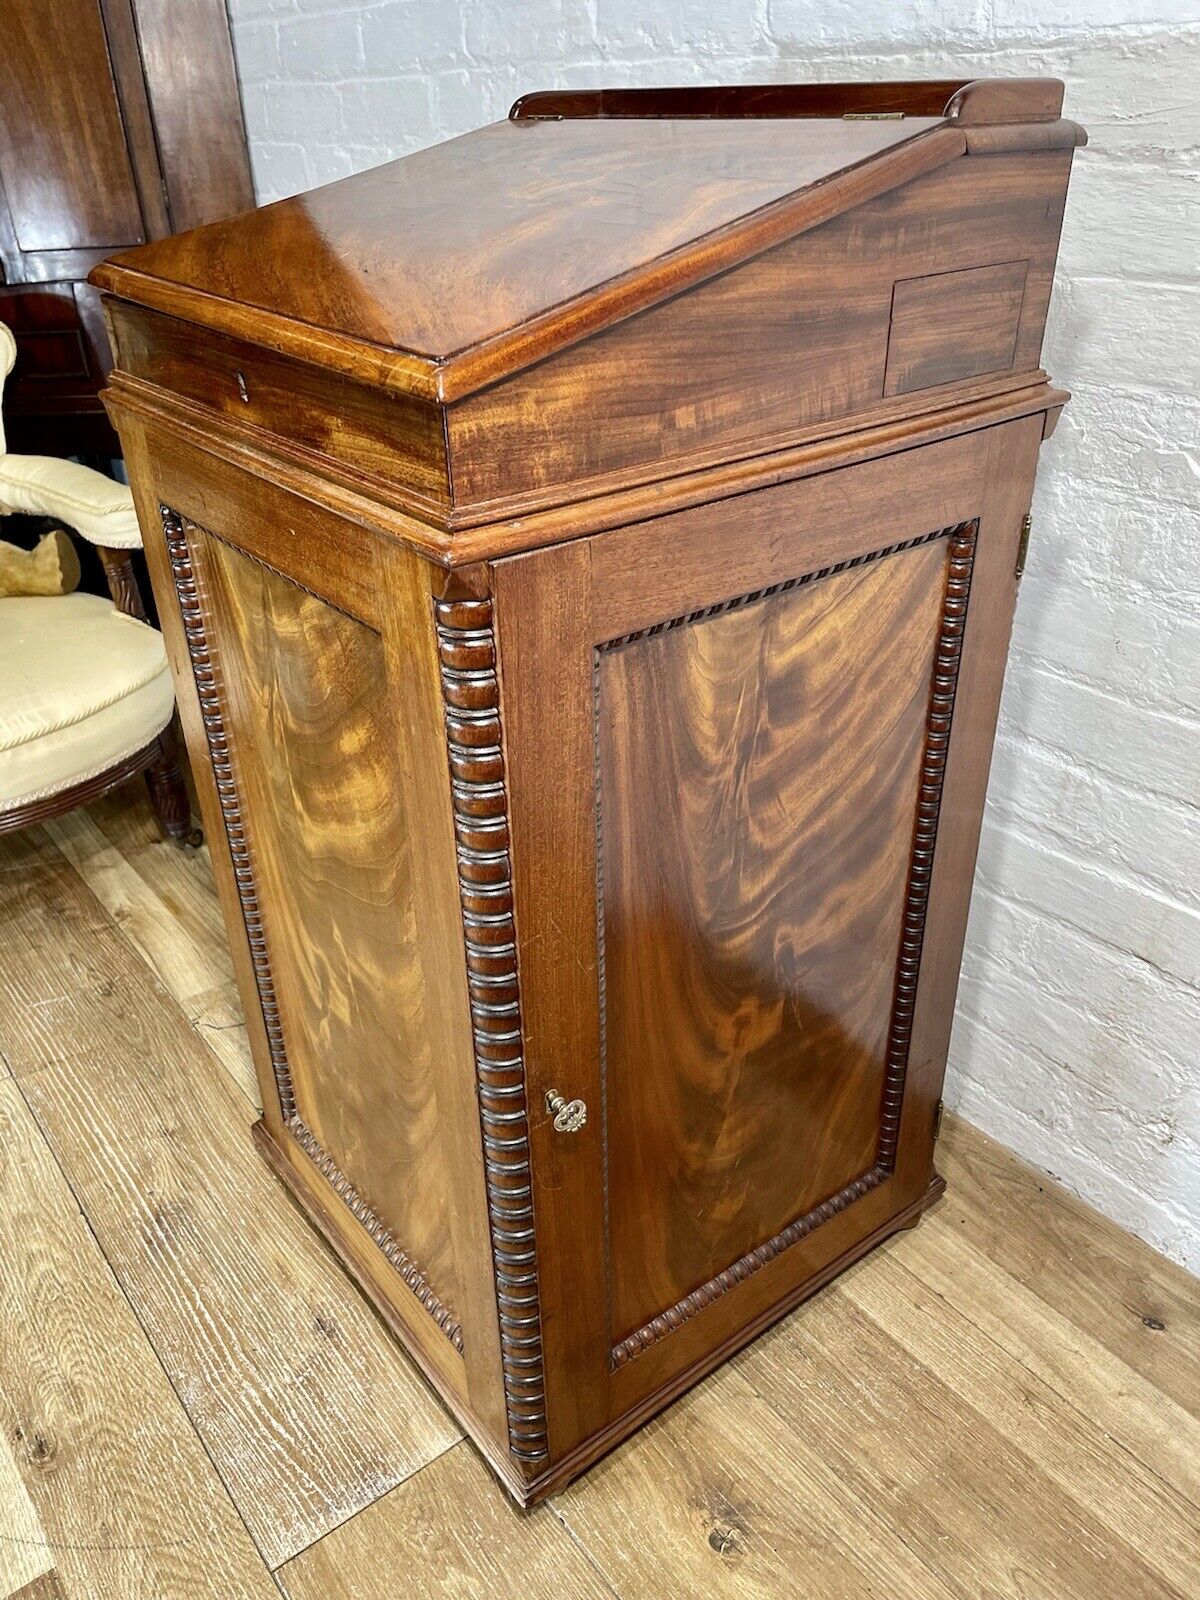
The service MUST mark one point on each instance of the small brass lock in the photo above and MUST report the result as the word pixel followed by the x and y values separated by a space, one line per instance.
pixel 569 1115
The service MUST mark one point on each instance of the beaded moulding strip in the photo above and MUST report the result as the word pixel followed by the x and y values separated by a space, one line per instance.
pixel 470 691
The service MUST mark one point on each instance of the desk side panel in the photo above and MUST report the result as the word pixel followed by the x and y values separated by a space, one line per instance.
pixel 314 726
pixel 793 343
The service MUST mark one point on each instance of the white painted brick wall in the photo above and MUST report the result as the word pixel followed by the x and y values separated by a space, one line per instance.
pixel 1078 1032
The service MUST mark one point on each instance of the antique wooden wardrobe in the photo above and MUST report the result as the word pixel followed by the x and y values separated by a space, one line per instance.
pixel 119 121
pixel 588 550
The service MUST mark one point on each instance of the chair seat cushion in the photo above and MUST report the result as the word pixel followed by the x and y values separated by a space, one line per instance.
pixel 82 687
pixel 83 499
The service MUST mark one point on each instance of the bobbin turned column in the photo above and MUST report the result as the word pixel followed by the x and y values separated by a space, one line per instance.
pixel 467 651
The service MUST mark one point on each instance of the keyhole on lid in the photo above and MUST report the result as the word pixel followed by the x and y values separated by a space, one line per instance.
pixel 242 389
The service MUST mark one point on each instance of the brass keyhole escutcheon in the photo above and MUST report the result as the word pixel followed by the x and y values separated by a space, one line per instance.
pixel 569 1115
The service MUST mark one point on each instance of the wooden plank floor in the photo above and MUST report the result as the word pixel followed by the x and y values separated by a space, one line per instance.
pixel 194 1401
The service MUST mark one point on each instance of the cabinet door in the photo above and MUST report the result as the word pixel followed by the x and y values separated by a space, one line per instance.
pixel 747 747
pixel 64 160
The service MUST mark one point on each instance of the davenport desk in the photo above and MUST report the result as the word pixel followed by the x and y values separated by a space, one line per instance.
pixel 587 551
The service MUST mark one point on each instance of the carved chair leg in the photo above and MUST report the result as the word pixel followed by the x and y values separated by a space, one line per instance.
pixel 169 797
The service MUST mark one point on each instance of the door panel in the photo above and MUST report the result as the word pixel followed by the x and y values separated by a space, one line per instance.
pixel 759 772
pixel 728 739
pixel 63 155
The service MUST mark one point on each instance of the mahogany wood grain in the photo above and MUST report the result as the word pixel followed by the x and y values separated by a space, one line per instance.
pixel 756 813
pixel 954 324
pixel 749 374
pixel 89 308
pixel 1007 472
pixel 61 131
pixel 201 135
pixel 308 722
pixel 291 535
pixel 358 1228
pixel 775 100
pixel 119 120
pixel 375 436
pixel 589 619
pixel 461 313
pixel 52 346
pixel 129 79
pixel 1063 1349
pixel 501 528
pixel 795 338
pixel 1005 100
pixel 418 973
pixel 137 448
pixel 636 1412
pixel 415 671
pixel 62 360
pixel 549 726
pixel 999 138
pixel 1000 100
pixel 815 453
pixel 706 555
pixel 696 559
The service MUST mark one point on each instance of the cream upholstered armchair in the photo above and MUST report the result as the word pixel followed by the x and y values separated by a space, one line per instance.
pixel 85 693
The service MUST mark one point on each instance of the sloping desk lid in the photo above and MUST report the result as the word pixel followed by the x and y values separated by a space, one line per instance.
pixel 455 266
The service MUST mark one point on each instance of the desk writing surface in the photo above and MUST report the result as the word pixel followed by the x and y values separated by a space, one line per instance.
pixel 457 244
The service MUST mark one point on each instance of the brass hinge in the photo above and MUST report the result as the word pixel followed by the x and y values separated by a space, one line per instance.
pixel 1023 547
pixel 937 1120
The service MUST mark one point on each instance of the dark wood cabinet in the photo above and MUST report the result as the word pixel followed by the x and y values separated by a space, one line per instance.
pixel 120 122
pixel 587 553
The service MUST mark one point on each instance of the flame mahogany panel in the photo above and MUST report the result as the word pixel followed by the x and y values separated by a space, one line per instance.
pixel 759 777
pixel 302 692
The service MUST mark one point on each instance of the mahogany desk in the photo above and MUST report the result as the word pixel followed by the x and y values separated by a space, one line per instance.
pixel 587 551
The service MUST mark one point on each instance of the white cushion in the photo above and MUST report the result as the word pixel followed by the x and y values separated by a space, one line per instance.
pixel 82 687
pixel 95 506
pixel 8 354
